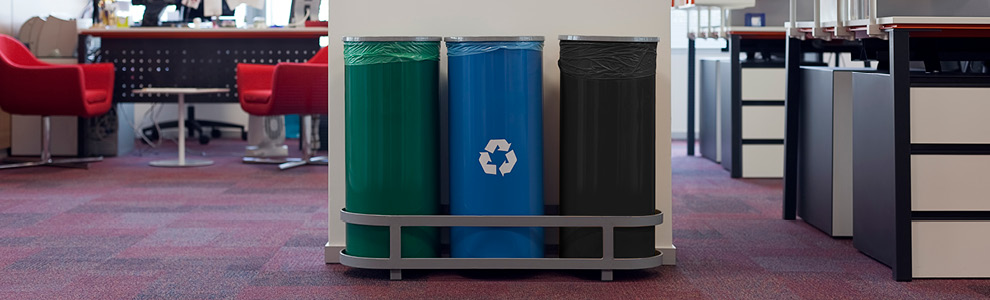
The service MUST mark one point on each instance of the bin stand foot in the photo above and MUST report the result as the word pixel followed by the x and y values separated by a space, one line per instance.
pixel 606 275
pixel 395 274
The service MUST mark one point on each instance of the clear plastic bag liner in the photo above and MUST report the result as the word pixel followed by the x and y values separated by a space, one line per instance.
pixel 369 53
pixel 608 60
pixel 472 48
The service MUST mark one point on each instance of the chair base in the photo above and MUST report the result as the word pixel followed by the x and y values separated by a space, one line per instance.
pixel 267 151
pixel 76 163
pixel 194 128
pixel 287 163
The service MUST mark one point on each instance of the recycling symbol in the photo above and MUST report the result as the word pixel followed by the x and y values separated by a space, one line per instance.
pixel 486 158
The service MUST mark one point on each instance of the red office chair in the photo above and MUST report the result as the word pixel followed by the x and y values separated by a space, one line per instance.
pixel 31 87
pixel 283 89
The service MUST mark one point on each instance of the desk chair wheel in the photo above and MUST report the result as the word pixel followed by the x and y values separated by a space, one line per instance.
pixel 243 135
pixel 215 133
pixel 203 139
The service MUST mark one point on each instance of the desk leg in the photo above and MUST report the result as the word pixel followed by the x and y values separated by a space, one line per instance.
pixel 182 129
pixel 690 97
pixel 792 132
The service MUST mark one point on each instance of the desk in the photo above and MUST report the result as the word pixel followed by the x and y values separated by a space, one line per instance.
pixel 920 149
pixel 174 57
pixel 742 103
pixel 181 93
pixel 184 57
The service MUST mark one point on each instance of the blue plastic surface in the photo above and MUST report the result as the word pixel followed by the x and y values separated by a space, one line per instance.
pixel 496 149
pixel 292 126
pixel 472 48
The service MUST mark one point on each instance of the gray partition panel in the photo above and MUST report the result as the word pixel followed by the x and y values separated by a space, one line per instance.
pixel 815 149
pixel 708 108
pixel 874 166
pixel 725 80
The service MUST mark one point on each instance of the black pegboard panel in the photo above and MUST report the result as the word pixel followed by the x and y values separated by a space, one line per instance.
pixel 203 63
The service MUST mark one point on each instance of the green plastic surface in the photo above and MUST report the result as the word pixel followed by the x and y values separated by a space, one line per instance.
pixel 392 157
pixel 370 53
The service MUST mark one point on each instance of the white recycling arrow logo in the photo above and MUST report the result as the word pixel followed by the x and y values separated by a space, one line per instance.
pixel 486 158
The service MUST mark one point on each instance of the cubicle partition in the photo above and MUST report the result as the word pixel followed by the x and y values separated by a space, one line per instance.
pixel 825 150
pixel 710 116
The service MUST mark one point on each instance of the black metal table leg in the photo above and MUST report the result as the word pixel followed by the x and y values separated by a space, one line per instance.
pixel 691 97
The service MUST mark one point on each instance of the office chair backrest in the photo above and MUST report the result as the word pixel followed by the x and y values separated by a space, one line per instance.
pixel 321 57
pixel 14 53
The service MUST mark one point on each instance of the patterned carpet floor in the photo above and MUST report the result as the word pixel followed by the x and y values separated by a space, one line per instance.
pixel 123 229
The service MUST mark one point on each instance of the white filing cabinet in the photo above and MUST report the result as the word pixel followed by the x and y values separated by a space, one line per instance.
pixel 743 131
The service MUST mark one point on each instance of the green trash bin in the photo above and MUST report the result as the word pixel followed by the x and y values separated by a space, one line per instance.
pixel 391 87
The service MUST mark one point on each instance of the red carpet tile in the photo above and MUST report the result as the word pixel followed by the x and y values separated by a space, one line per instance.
pixel 124 230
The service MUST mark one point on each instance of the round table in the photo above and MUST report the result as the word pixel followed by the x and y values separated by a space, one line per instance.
pixel 181 92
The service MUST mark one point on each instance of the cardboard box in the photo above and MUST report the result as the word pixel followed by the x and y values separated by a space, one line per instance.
pixel 4 130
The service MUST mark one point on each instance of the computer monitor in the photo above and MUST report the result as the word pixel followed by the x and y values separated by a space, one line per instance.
pixel 153 10
pixel 190 13
pixel 301 7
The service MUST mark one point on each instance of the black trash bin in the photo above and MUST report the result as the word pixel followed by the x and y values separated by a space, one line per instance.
pixel 607 140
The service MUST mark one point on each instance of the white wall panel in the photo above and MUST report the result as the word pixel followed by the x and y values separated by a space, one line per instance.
pixel 22 10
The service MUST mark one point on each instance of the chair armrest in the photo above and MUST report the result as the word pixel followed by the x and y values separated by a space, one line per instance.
pixel 98 76
pixel 40 79
pixel 49 73
pixel 254 77
pixel 302 82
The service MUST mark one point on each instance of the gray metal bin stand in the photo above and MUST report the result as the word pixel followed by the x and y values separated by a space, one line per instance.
pixel 396 263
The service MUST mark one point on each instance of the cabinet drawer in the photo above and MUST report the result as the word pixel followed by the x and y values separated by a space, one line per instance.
pixel 763 161
pixel 763 122
pixel 950 182
pixel 956 249
pixel 763 84
pixel 950 115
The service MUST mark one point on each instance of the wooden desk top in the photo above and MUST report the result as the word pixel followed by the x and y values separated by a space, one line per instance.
pixel 908 23
pixel 212 33
pixel 176 91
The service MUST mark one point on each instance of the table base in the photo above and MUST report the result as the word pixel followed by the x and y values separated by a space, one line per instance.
pixel 174 163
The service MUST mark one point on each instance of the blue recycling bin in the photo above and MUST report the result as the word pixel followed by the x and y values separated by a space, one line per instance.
pixel 496 142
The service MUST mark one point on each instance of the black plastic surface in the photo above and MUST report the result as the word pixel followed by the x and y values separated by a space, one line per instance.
pixel 608 132
pixel 815 150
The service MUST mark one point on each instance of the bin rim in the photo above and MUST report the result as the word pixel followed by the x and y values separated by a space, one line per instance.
pixel 527 38
pixel 614 39
pixel 391 39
